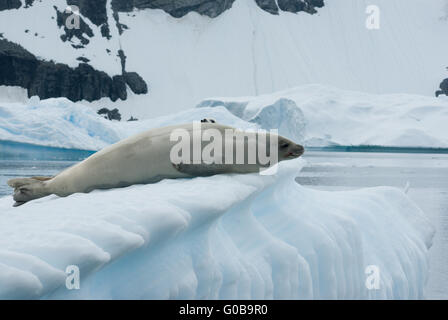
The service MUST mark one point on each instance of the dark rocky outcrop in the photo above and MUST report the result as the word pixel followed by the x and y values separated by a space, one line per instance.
pixel 176 8
pixel 295 6
pixel 105 31
pixel 443 88
pixel 132 119
pixel 10 4
pixel 132 79
pixel 83 33
pixel 28 3
pixel 268 5
pixel 83 59
pixel 94 10
pixel 113 114
pixel 135 82
pixel 119 87
pixel 213 8
pixel 122 57
pixel 47 79
pixel 119 25
pixel 81 83
pixel 17 66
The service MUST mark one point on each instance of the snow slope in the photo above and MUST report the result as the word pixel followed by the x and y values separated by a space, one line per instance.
pixel 221 237
pixel 43 37
pixel 314 115
pixel 247 51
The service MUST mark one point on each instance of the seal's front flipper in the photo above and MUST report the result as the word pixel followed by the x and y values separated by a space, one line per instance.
pixel 202 169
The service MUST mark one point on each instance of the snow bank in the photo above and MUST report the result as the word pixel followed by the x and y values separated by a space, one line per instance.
pixel 321 115
pixel 221 237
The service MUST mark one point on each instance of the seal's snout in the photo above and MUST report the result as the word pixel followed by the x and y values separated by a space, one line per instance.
pixel 289 149
pixel 296 151
pixel 299 150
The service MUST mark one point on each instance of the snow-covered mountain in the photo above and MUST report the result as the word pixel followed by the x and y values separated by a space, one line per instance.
pixel 164 56
pixel 80 56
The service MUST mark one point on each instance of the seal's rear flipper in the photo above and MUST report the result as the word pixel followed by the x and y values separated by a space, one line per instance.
pixel 26 189
pixel 18 182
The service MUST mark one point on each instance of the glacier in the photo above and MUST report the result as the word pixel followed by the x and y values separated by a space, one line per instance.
pixel 314 115
pixel 222 237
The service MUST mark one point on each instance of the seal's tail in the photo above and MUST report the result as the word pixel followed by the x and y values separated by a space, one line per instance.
pixel 26 189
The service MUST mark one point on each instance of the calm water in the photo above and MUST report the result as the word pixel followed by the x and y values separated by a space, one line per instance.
pixel 10 169
pixel 425 174
pixel 26 160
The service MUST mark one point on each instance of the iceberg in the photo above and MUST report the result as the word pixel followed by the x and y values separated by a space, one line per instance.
pixel 283 115
pixel 313 115
pixel 222 237
pixel 318 115
pixel 61 123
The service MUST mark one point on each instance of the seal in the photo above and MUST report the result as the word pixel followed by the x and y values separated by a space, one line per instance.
pixel 146 158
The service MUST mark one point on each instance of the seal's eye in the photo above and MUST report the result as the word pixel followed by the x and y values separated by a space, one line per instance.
pixel 284 145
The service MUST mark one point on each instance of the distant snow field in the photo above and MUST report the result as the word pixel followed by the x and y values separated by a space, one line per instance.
pixel 222 237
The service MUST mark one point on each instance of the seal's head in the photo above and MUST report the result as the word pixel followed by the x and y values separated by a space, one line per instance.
pixel 288 149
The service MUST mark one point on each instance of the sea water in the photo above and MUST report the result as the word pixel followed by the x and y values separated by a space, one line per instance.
pixel 424 176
